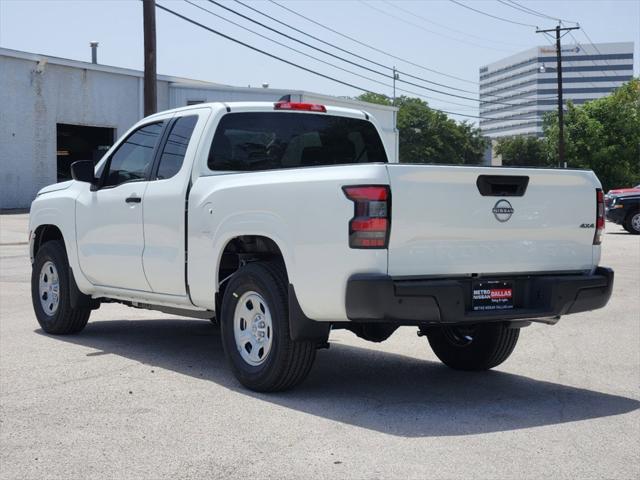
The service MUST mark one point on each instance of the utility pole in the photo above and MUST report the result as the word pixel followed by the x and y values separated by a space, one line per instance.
pixel 558 30
pixel 396 76
pixel 150 83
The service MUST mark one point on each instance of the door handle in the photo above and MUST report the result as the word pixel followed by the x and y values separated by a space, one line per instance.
pixel 133 199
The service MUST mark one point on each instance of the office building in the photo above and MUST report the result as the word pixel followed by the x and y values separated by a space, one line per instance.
pixel 517 91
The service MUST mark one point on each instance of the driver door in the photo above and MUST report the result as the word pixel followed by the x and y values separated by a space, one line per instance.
pixel 109 221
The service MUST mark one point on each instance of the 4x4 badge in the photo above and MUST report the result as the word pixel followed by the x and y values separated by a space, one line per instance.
pixel 502 210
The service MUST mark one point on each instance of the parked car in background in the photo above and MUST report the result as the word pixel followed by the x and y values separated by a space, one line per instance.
pixel 608 198
pixel 625 210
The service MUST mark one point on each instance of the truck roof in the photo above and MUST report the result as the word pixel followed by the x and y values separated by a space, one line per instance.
pixel 269 106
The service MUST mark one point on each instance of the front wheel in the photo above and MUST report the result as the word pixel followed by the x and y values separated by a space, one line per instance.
pixel 254 324
pixel 50 292
pixel 473 348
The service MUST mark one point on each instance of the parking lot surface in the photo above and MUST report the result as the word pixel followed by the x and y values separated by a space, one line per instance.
pixel 140 394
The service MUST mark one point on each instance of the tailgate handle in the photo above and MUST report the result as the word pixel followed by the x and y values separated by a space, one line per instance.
pixel 502 185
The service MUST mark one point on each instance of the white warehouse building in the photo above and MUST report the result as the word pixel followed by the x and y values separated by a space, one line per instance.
pixel 55 111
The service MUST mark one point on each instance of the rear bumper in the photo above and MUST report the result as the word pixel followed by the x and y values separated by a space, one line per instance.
pixel 540 297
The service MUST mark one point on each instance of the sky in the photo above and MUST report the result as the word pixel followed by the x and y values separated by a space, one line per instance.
pixel 443 41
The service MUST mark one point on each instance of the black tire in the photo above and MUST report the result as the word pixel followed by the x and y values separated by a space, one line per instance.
pixel 628 223
pixel 288 362
pixel 65 319
pixel 473 348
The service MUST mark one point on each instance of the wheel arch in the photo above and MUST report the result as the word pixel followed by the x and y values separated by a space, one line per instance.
pixel 42 234
pixel 241 249
pixel 47 232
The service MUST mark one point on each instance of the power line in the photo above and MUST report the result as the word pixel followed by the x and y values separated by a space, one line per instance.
pixel 604 72
pixel 308 70
pixel 520 8
pixel 342 58
pixel 328 63
pixel 284 44
pixel 525 9
pixel 583 75
pixel 591 42
pixel 376 63
pixel 328 77
pixel 596 49
pixel 475 44
pixel 491 15
pixel 294 29
pixel 319 59
pixel 409 62
pixel 428 20
pixel 336 47
pixel 539 14
pixel 530 11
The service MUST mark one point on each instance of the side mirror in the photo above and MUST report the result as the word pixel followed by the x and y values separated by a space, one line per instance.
pixel 82 171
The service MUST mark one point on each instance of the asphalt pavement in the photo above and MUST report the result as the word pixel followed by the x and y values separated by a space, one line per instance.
pixel 144 395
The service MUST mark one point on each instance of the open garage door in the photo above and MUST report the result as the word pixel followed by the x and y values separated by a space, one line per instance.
pixel 80 142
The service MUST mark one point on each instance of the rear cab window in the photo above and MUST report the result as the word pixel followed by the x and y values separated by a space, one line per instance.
pixel 175 147
pixel 255 141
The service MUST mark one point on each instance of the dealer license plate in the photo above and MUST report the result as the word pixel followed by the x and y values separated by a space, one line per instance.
pixel 492 295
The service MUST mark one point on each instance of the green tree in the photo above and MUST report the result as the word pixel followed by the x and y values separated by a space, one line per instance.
pixel 474 143
pixel 429 136
pixel 602 135
pixel 523 151
pixel 378 98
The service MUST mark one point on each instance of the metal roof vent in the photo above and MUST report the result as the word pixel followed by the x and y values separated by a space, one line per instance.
pixel 94 52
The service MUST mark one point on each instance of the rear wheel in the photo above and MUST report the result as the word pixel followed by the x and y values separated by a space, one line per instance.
pixel 632 223
pixel 50 292
pixel 473 348
pixel 255 330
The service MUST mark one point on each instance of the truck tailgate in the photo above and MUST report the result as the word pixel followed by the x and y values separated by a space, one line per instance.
pixel 441 223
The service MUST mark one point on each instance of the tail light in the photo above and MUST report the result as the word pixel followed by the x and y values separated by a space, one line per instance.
pixel 597 238
pixel 307 107
pixel 369 227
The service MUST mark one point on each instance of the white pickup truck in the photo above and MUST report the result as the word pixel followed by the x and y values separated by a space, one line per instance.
pixel 282 221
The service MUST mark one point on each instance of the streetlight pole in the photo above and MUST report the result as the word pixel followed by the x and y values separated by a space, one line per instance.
pixel 557 31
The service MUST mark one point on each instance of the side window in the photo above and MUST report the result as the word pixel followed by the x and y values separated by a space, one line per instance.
pixel 131 161
pixel 176 146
